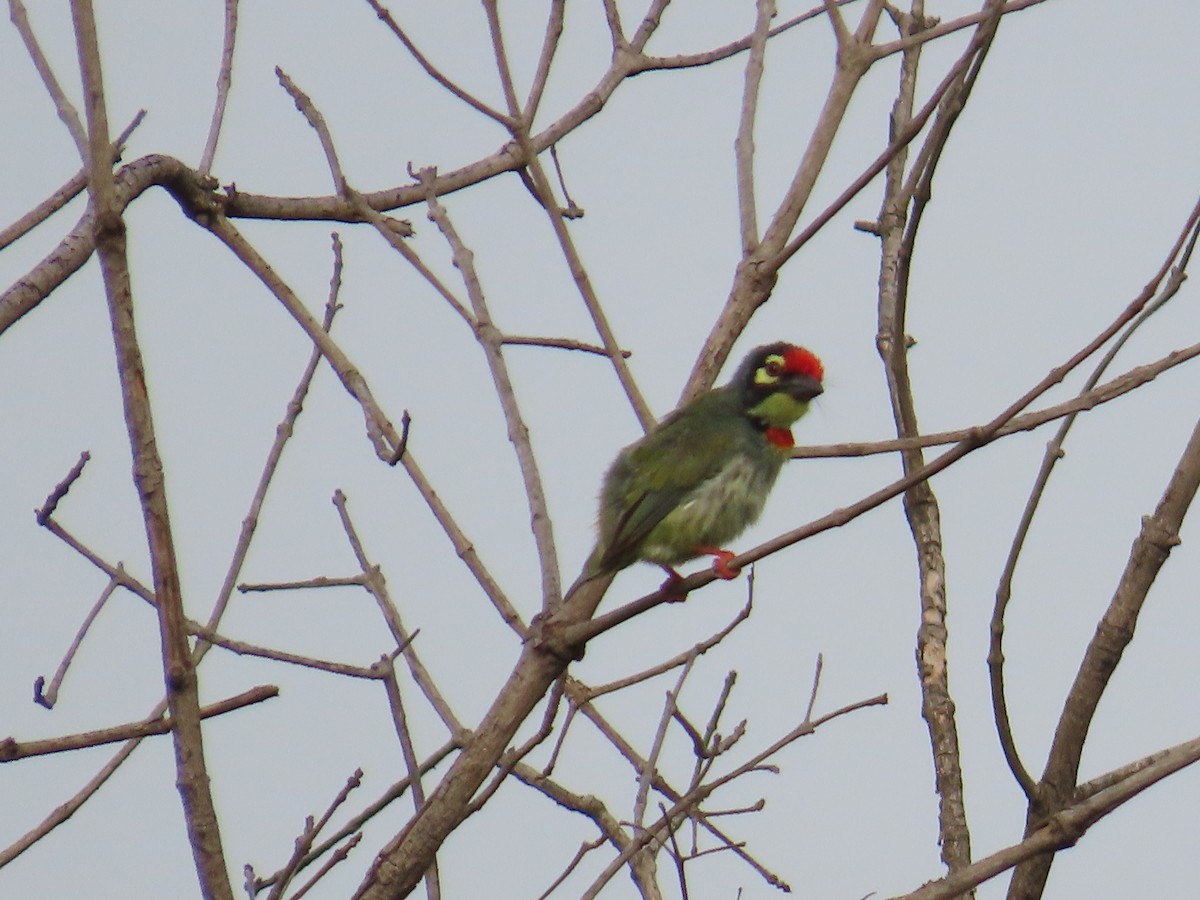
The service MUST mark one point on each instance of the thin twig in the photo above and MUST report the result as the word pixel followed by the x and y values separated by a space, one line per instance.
pixel 11 750
pixel 518 432
pixel 1050 457
pixel 637 764
pixel 66 110
pixel 701 792
pixel 380 431
pixel 675 661
pixel 1158 536
pixel 242 648
pixel 500 55
pixel 433 888
pixel 554 29
pixel 224 80
pixel 311 829
pixel 1098 396
pixel 431 70
pixel 1064 829
pixel 646 776
pixel 376 585
pixel 557 343
pixel 743 145
pixel 321 581
pixel 338 856
pixel 48 696
pixel 310 112
pixel 584 849
pixel 393 793
pixel 60 490
pixel 66 193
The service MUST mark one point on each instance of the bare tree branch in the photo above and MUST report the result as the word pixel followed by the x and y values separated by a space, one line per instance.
pixel 224 80
pixel 66 110
pixel 11 750
pixel 179 672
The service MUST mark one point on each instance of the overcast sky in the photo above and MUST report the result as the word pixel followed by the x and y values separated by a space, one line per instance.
pixel 1061 191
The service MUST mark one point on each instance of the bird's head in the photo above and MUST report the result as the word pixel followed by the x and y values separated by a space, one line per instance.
pixel 777 382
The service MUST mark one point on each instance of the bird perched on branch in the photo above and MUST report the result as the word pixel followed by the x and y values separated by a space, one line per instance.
pixel 701 477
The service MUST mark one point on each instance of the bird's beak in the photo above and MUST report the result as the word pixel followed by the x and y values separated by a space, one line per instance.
pixel 802 387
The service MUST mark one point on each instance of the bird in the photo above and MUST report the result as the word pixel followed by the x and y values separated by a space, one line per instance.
pixel 701 477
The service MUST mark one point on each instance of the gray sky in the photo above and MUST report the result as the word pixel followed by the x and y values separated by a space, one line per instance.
pixel 1061 191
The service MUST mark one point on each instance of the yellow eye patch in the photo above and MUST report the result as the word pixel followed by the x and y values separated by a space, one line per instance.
pixel 769 371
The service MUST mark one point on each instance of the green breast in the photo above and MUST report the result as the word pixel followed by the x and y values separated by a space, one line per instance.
pixel 716 511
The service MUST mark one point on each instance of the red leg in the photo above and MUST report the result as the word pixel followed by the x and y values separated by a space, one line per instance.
pixel 671 586
pixel 721 563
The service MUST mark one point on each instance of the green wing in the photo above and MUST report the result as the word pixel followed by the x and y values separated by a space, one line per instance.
pixel 655 475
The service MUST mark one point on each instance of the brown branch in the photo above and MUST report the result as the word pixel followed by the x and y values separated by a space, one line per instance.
pixel 433 887
pixel 1098 396
pixel 584 849
pixel 638 763
pixel 944 28
pixel 178 668
pixel 554 29
pixel 1159 534
pixel 66 110
pixel 401 864
pixel 320 581
pixel 646 776
pixel 594 809
pixel 192 192
pixel 501 59
pixel 224 80
pixel 904 203
pixel 489 340
pixel 336 857
pixel 540 185
pixel 376 585
pixel 431 70
pixel 63 811
pixel 282 433
pixel 1062 830
pixel 12 750
pixel 311 829
pixel 393 793
pixel 48 697
pixel 310 112
pixel 60 490
pixel 1053 453
pixel 758 270
pixel 674 662
pixel 733 48
pixel 701 792
pixel 743 144
pixel 380 431
pixel 557 343
pixel 64 194
pixel 243 648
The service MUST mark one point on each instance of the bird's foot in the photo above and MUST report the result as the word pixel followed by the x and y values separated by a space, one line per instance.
pixel 721 565
pixel 671 588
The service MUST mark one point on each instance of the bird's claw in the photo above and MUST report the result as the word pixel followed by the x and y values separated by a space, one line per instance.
pixel 721 566
pixel 671 587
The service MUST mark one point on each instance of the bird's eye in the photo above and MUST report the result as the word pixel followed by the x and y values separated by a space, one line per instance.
pixel 767 375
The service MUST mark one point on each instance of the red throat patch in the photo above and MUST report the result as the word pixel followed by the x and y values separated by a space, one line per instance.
pixel 780 437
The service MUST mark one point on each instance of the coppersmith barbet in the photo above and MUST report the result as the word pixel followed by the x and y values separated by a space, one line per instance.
pixel 701 476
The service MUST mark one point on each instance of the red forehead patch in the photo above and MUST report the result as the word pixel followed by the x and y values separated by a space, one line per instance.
pixel 804 362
